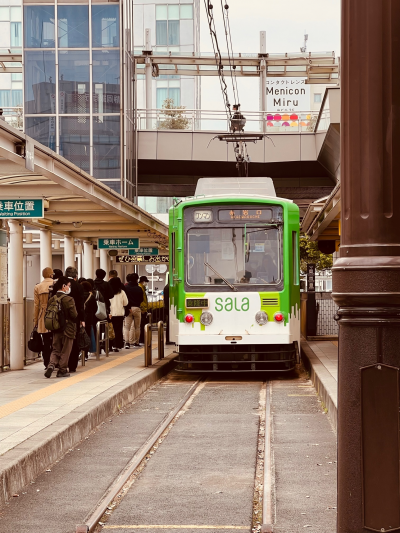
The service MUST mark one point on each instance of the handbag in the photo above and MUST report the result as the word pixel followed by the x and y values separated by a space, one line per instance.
pixel 101 312
pixel 83 339
pixel 35 343
pixel 111 332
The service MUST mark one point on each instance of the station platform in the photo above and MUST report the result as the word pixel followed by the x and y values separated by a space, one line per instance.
pixel 321 360
pixel 41 419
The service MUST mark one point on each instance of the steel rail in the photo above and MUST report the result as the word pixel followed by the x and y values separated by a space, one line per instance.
pixel 116 486
pixel 267 492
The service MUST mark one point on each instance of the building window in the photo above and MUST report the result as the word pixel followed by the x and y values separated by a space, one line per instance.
pixel 106 82
pixel 16 98
pixel 40 82
pixel 16 37
pixel 317 98
pixel 106 147
pixel 167 25
pixel 5 98
pixel 168 89
pixel 73 71
pixel 186 11
pixel 73 26
pixel 75 141
pixel 105 26
pixel 43 129
pixel 39 26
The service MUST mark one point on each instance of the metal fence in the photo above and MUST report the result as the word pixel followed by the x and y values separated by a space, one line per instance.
pixel 327 309
pixel 14 116
pixel 5 334
pixel 204 120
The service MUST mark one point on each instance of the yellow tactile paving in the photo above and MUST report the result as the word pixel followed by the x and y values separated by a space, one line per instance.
pixel 243 528
pixel 33 397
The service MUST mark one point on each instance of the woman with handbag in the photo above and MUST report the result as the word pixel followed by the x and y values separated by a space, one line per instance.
pixel 90 306
pixel 117 312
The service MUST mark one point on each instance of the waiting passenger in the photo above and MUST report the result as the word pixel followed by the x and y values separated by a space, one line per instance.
pixel 40 299
pixel 77 295
pixel 90 306
pixel 132 320
pixel 117 314
pixel 63 339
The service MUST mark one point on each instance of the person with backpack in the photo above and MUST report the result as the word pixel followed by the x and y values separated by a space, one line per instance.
pixel 60 318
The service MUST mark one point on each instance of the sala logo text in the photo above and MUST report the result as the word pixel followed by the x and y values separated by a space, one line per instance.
pixel 229 303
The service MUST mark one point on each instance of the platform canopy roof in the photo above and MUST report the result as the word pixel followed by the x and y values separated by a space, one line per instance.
pixel 76 204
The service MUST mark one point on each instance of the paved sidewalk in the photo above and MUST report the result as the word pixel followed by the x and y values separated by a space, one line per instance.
pixel 40 419
pixel 321 360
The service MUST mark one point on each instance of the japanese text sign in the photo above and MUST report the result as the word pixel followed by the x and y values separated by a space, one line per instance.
pixel 21 208
pixel 113 243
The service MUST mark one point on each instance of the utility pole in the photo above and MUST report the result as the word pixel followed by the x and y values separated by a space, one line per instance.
pixel 366 278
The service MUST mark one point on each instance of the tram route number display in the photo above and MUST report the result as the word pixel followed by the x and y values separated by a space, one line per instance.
pixel 142 259
pixel 225 215
pixel 195 303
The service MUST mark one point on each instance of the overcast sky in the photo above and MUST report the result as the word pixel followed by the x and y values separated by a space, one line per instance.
pixel 285 22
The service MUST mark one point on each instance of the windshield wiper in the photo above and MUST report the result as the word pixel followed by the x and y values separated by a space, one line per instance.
pixel 223 279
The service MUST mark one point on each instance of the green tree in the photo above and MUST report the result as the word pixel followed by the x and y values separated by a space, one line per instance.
pixel 174 116
pixel 309 253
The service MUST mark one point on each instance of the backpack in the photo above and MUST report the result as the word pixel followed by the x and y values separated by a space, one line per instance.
pixel 54 318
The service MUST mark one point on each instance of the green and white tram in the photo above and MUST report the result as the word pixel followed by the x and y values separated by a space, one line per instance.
pixel 234 287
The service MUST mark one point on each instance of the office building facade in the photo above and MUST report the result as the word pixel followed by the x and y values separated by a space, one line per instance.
pixel 174 29
pixel 10 39
pixel 78 95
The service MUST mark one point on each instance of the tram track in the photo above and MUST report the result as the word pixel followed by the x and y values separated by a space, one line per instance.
pixel 97 520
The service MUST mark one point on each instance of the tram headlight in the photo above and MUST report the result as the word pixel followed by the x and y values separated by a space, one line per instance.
pixel 206 318
pixel 261 318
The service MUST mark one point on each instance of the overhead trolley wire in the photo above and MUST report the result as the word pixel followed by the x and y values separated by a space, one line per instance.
pixel 228 36
pixel 218 57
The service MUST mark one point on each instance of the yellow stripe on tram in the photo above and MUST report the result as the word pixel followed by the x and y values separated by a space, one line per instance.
pixel 24 401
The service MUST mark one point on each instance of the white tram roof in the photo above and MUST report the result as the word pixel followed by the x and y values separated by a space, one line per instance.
pixel 263 187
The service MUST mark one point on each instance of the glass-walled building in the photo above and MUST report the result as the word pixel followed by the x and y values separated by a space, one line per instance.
pixel 77 99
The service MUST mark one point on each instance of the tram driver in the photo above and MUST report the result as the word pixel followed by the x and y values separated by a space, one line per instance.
pixel 268 270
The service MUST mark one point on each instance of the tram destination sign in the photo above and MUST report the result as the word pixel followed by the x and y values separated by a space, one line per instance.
pixel 115 244
pixel 145 258
pixel 32 208
pixel 225 215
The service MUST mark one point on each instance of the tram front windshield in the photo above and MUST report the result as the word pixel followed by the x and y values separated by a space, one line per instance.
pixel 241 255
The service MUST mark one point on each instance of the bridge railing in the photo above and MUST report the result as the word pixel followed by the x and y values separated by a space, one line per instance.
pixel 14 116
pixel 218 121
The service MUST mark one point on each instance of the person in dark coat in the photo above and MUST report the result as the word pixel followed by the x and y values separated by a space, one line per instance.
pixel 132 321
pixel 76 294
pixel 90 306
pixel 103 287
pixel 63 340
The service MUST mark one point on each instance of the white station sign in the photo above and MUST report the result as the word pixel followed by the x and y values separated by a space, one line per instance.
pixel 287 95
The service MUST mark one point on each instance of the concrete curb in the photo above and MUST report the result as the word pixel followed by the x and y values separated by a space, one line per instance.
pixel 22 464
pixel 324 383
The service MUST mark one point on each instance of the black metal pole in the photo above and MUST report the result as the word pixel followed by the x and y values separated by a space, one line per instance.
pixel 366 278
